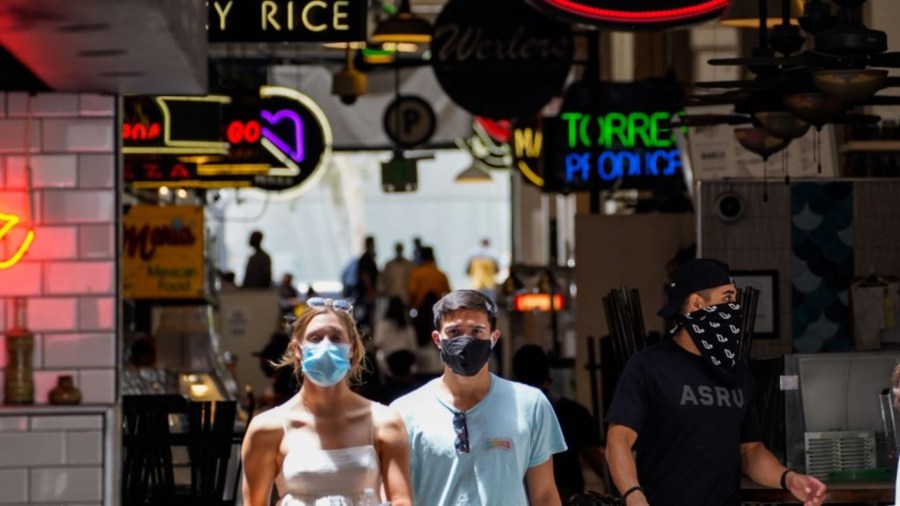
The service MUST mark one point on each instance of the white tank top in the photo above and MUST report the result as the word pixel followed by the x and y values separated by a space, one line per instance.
pixel 328 477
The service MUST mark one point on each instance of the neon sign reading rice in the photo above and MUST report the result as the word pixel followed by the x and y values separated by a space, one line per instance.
pixel 630 145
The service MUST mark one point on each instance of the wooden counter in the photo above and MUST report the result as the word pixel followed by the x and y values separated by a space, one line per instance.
pixel 838 492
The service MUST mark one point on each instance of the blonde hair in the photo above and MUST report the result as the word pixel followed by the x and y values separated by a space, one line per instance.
pixel 298 329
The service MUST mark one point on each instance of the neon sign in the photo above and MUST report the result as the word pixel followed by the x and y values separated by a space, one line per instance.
pixel 635 144
pixel 637 14
pixel 140 131
pixel 239 132
pixel 10 221
pixel 287 21
pixel 294 148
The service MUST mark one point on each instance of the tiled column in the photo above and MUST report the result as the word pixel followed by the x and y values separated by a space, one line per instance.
pixel 50 454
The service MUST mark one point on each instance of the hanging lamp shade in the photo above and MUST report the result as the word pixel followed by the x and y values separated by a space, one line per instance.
pixel 850 85
pixel 403 27
pixel 745 13
pixel 815 108
pixel 782 124
pixel 759 141
pixel 474 173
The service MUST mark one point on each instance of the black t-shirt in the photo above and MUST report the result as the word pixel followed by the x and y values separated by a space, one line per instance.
pixel 690 426
pixel 580 432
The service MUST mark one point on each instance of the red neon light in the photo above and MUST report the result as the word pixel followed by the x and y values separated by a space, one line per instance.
pixel 248 132
pixel 11 221
pixel 658 16
pixel 538 302
pixel 140 131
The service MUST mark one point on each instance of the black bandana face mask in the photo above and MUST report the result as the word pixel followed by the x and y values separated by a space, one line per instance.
pixel 716 331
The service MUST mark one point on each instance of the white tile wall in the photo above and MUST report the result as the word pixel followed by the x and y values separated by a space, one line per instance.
pixel 96 171
pixel 14 484
pixel 46 105
pixel 66 484
pixel 47 171
pixel 98 386
pixel 65 278
pixel 54 243
pixel 12 136
pixel 79 350
pixel 31 449
pixel 23 280
pixel 79 207
pixel 97 241
pixel 96 313
pixel 97 105
pixel 52 314
pixel 69 276
pixel 84 135
pixel 84 447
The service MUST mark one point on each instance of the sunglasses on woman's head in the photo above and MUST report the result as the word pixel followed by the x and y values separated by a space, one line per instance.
pixel 462 432
pixel 339 304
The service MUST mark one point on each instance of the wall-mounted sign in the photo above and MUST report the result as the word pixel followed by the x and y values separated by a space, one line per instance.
pixel 622 140
pixel 540 302
pixel 409 121
pixel 500 59
pixel 527 147
pixel 286 20
pixel 484 148
pixel 173 125
pixel 163 252
pixel 633 14
pixel 296 138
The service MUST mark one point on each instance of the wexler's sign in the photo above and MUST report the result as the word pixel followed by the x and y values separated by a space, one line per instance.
pixel 286 20
pixel 616 135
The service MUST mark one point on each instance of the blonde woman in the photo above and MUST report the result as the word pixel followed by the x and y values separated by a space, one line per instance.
pixel 326 445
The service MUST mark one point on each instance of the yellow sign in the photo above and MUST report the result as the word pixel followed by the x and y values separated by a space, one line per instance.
pixel 162 252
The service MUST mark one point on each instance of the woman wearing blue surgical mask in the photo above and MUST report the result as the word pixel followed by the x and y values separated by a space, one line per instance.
pixel 326 445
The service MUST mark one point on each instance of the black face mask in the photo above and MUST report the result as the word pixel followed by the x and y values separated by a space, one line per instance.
pixel 465 355
pixel 716 331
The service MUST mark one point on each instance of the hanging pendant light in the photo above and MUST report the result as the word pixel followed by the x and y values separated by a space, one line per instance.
pixel 474 173
pixel 850 85
pixel 815 108
pixel 782 124
pixel 403 27
pixel 760 141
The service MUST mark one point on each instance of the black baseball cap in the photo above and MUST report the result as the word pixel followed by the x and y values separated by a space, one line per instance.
pixel 698 274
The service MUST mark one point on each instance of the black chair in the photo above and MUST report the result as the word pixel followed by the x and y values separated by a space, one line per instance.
pixel 155 424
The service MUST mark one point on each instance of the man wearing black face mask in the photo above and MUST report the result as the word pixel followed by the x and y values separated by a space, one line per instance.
pixel 475 438
pixel 685 407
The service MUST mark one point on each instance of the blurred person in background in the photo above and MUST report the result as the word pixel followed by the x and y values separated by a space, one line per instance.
pixel 258 273
pixel 531 366
pixel 482 268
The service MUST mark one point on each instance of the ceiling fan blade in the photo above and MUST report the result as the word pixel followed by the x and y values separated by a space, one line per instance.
pixel 889 60
pixel 760 61
pixel 745 83
pixel 880 100
pixel 700 120
pixel 857 119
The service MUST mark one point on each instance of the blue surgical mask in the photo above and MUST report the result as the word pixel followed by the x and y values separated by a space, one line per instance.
pixel 325 363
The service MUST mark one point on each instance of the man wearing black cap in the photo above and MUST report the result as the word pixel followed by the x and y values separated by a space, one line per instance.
pixel 685 407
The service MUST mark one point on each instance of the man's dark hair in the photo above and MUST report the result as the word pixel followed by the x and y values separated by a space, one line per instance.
pixel 464 299
pixel 531 365
pixel 427 254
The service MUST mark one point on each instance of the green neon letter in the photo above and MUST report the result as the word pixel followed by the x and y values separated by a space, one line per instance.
pixel 571 118
pixel 639 123
pixel 617 124
pixel 656 131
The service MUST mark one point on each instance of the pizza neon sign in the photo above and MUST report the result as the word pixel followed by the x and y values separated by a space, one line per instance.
pixel 639 14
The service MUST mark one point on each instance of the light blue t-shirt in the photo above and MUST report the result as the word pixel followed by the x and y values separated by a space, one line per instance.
pixel 512 429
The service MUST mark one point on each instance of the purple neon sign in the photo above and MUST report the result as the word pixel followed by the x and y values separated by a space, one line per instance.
pixel 297 152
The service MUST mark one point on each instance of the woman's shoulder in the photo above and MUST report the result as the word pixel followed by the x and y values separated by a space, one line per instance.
pixel 267 424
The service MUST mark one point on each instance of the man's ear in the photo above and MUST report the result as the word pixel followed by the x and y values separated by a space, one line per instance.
pixel 436 338
pixel 695 302
pixel 495 336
